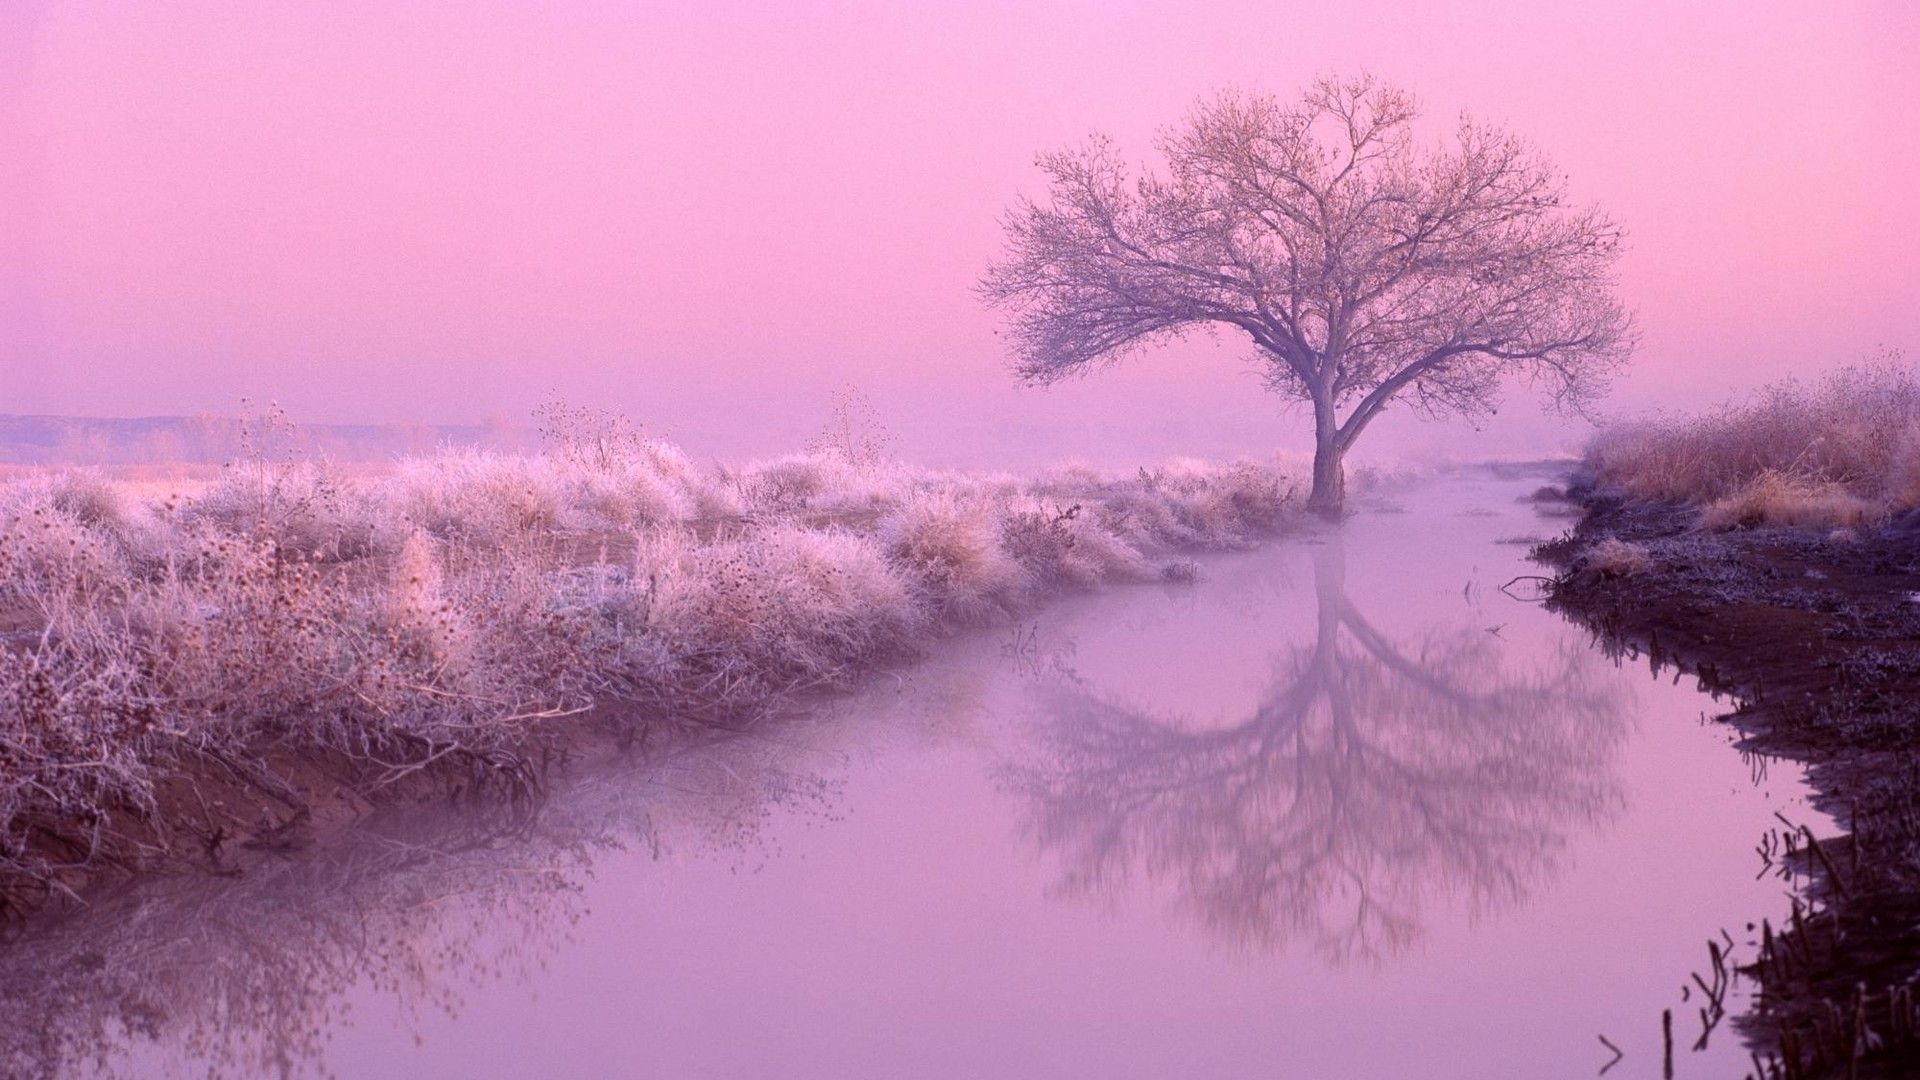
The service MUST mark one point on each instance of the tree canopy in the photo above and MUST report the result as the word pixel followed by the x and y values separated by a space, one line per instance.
pixel 1364 264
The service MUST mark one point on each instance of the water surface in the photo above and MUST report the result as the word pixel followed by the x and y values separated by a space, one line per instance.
pixel 1342 808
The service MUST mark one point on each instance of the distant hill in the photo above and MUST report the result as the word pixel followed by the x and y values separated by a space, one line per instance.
pixel 208 439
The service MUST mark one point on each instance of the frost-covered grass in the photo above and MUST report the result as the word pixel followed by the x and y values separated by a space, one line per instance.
pixel 1614 557
pixel 446 613
pixel 1837 453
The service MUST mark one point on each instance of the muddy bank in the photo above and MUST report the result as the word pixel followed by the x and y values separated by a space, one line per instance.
pixel 1817 638
pixel 225 812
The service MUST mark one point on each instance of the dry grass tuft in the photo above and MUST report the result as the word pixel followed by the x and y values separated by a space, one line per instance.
pixel 1614 557
pixel 1841 452
pixel 1791 499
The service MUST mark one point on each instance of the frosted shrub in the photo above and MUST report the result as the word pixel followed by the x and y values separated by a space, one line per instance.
pixel 51 560
pixel 247 643
pixel 417 610
pixel 1259 496
pixel 1040 538
pixel 1230 505
pixel 1094 555
pixel 1072 476
pixel 822 482
pixel 623 497
pixel 85 496
pixel 300 507
pixel 951 548
pixel 1144 518
pixel 669 463
pixel 443 615
pixel 783 609
pixel 86 510
pixel 789 483
pixel 477 495
pixel 76 741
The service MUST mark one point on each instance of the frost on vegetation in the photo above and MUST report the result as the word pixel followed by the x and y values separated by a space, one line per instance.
pixel 439 613
pixel 1840 453
pixel 1614 557
pixel 1792 499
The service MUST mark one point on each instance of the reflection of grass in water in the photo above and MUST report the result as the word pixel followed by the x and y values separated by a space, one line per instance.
pixel 1373 776
pixel 243 977
pixel 246 977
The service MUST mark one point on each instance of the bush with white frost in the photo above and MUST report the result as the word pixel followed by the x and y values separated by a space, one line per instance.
pixel 951 552
pixel 443 614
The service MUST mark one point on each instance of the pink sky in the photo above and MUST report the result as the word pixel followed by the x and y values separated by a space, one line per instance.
pixel 711 214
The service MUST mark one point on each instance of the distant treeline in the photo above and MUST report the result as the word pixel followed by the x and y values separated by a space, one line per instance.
pixel 214 439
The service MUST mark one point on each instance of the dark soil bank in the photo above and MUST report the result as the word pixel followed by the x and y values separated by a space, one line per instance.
pixel 1818 638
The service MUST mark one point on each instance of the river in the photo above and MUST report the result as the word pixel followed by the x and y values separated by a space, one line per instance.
pixel 1341 807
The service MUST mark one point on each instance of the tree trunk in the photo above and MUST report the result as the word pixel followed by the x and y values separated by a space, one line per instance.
pixel 1329 497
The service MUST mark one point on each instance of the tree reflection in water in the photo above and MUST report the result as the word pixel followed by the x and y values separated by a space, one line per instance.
pixel 1374 776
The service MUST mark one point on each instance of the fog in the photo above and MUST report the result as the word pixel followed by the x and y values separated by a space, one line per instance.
pixel 712 216
pixel 603 422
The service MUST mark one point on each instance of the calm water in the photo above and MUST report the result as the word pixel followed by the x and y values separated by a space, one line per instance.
pixel 1341 809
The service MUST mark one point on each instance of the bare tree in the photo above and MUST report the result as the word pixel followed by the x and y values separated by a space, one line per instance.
pixel 1365 265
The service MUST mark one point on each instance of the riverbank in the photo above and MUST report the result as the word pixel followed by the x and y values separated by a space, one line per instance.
pixel 1816 634
pixel 198 677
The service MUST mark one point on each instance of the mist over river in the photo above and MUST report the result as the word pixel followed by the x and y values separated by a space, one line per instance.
pixel 1340 807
